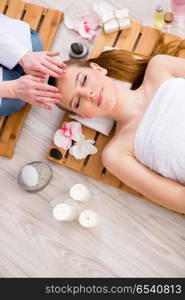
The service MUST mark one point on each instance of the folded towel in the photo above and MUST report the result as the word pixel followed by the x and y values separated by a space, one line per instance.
pixel 101 124
pixel 159 142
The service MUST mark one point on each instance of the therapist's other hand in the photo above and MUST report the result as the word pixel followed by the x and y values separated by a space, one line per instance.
pixel 43 62
pixel 33 90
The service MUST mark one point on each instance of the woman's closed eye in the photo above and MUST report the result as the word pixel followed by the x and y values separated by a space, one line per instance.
pixel 84 79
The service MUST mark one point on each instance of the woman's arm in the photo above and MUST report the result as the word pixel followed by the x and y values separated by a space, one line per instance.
pixel 161 190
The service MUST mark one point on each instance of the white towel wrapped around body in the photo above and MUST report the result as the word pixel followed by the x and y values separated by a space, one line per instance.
pixel 160 138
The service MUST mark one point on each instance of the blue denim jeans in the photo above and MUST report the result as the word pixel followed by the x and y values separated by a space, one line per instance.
pixel 10 106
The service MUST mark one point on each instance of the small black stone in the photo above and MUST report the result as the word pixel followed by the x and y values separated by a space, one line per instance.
pixel 77 48
pixel 54 152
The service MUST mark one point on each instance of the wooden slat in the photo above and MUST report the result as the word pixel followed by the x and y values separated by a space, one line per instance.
pixel 35 15
pixel 15 9
pixel 94 167
pixel 11 132
pixel 1 121
pixel 103 40
pixel 49 27
pixel 3 4
pixel 128 37
pixel 147 40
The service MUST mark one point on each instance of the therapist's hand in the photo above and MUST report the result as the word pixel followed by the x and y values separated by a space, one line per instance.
pixel 42 63
pixel 33 90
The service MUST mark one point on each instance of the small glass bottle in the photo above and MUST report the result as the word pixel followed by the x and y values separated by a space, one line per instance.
pixel 178 8
pixel 168 20
pixel 159 17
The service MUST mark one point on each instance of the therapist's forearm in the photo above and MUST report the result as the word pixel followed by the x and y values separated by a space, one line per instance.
pixel 5 89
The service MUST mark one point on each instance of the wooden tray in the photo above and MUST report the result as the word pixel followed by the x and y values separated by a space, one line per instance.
pixel 46 22
pixel 140 39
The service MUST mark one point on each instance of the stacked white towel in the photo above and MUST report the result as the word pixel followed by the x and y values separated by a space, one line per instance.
pixel 160 138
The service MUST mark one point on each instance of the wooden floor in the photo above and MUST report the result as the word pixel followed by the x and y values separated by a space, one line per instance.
pixel 136 238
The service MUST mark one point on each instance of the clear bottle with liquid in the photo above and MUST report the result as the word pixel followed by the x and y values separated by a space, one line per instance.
pixel 178 8
pixel 168 20
pixel 159 17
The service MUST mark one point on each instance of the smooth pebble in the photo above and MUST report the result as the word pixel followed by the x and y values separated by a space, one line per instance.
pixel 30 176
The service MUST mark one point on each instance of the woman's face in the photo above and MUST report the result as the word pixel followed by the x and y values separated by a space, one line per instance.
pixel 87 91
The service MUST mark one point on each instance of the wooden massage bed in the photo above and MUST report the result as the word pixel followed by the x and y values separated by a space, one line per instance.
pixel 46 22
pixel 140 39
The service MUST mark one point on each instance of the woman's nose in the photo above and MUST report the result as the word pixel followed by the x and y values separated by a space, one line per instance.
pixel 87 93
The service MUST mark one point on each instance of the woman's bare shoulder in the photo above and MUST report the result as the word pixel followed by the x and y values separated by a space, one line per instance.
pixel 156 72
pixel 120 143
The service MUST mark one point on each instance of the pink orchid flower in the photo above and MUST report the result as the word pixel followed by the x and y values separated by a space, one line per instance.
pixel 68 132
pixel 88 25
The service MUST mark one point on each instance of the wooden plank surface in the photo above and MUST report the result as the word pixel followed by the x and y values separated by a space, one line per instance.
pixel 147 40
pixel 48 21
pixel 15 9
pixel 3 4
pixel 129 36
pixel 33 14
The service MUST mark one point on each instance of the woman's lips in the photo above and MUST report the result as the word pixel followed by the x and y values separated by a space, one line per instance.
pixel 100 98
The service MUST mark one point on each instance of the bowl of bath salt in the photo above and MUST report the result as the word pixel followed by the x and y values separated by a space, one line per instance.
pixel 34 176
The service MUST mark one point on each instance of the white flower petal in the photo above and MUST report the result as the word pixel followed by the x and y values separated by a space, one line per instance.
pixel 61 141
pixel 88 35
pixel 83 148
pixel 76 128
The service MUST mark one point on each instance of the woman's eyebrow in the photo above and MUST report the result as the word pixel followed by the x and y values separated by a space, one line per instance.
pixel 77 76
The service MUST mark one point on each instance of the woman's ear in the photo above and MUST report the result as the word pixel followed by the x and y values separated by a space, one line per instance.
pixel 95 66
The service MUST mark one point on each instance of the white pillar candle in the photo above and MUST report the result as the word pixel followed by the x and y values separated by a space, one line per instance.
pixel 89 219
pixel 79 192
pixel 64 212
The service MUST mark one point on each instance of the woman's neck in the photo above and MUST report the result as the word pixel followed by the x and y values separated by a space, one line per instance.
pixel 128 105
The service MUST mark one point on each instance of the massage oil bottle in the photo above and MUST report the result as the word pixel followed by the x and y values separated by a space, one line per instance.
pixel 159 17
pixel 178 8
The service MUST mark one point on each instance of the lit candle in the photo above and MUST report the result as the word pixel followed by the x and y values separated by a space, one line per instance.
pixel 89 219
pixel 64 212
pixel 79 192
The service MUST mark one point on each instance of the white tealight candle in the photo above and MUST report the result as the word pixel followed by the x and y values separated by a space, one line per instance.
pixel 89 219
pixel 79 192
pixel 64 212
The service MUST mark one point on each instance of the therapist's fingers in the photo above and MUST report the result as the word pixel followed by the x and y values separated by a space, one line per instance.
pixel 46 87
pixel 52 53
pixel 57 63
pixel 51 72
pixel 52 97
pixel 38 74
pixel 52 67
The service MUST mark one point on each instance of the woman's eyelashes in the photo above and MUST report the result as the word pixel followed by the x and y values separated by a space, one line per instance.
pixel 84 79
